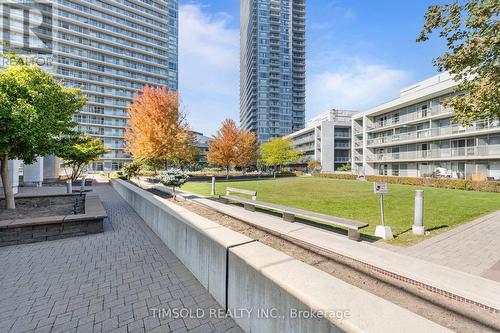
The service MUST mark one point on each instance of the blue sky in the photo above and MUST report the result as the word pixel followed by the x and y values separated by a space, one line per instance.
pixel 360 53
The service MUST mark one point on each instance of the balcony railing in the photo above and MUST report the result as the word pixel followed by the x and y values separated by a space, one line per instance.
pixel 434 132
pixel 102 133
pixel 476 151
pixel 303 140
pixel 417 115
pixel 305 147
pixel 100 122
pixel 115 156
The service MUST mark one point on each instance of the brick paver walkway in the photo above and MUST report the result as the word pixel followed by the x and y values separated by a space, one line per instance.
pixel 473 247
pixel 107 282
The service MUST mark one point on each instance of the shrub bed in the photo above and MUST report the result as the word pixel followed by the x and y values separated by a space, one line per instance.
pixel 336 175
pixel 287 174
pixel 456 184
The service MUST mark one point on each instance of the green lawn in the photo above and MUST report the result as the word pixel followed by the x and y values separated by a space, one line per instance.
pixel 355 200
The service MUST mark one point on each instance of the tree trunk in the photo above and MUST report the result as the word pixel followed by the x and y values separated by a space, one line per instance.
pixel 7 190
pixel 227 172
pixel 77 170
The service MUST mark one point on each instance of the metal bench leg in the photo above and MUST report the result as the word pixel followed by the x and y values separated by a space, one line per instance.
pixel 249 207
pixel 288 217
pixel 353 234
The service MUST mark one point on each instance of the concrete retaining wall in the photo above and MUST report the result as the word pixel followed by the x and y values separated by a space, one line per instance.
pixel 262 278
pixel 267 291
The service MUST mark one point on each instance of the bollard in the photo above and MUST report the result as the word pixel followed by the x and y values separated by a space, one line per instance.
pixel 418 219
pixel 213 186
pixel 69 186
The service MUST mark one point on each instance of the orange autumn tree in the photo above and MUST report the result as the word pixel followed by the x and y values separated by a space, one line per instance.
pixel 221 150
pixel 189 153
pixel 157 128
pixel 232 146
pixel 247 150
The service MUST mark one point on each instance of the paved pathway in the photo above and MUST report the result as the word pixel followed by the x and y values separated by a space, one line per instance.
pixel 473 247
pixel 107 282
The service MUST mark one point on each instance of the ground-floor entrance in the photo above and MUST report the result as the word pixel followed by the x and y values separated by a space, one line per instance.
pixel 106 166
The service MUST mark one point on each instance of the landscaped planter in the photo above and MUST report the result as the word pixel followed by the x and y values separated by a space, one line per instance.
pixel 51 217
pixel 88 182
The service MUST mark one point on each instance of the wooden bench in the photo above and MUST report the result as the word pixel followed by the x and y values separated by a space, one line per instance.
pixel 289 213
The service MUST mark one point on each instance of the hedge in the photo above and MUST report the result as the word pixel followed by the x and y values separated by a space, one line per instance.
pixel 336 175
pixel 456 184
pixel 287 174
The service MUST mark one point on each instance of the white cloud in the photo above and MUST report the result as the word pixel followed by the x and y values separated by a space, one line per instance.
pixel 355 85
pixel 208 67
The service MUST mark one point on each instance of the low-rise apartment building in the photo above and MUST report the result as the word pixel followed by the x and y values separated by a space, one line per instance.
pixel 415 136
pixel 326 139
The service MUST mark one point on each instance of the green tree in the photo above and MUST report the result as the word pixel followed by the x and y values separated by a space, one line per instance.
pixel 133 169
pixel 472 33
pixel 35 110
pixel 174 178
pixel 149 164
pixel 279 152
pixel 77 152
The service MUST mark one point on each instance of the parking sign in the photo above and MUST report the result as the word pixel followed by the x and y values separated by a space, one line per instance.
pixel 380 188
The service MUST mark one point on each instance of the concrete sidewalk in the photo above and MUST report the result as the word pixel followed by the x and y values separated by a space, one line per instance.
pixel 473 247
pixel 107 282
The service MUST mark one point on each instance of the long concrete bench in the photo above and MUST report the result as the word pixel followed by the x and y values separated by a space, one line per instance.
pixel 289 213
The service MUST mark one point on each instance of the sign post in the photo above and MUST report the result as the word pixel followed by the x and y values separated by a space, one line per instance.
pixel 382 230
